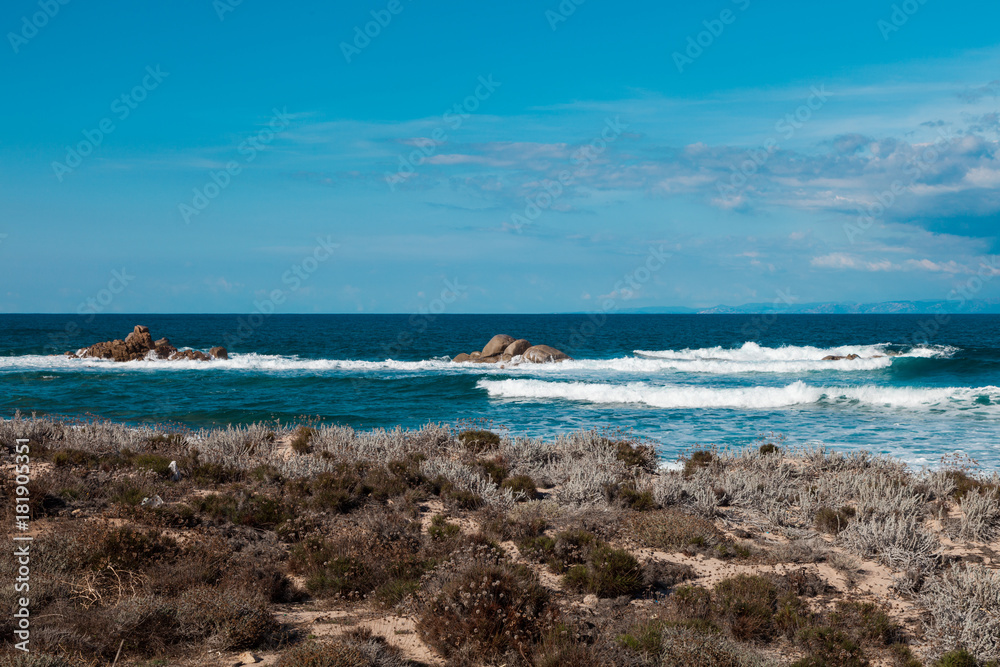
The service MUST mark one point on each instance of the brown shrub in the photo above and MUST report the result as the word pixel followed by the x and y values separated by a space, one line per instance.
pixel 673 530
pixel 487 608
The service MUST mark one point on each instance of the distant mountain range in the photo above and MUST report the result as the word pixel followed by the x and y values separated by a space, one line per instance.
pixel 835 308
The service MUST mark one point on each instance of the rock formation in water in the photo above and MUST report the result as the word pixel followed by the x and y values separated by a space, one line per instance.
pixel 140 345
pixel 503 348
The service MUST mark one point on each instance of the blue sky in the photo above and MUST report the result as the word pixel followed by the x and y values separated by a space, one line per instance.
pixel 519 156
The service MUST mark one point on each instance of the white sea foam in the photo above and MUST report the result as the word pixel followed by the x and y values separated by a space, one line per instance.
pixel 751 352
pixel 750 358
pixel 758 397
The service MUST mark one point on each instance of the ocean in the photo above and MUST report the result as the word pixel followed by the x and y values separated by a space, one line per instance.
pixel 922 387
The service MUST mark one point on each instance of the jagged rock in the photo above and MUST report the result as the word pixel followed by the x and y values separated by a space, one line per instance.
pixel 540 354
pixel 835 357
pixel 192 355
pixel 519 346
pixel 497 345
pixel 138 345
pixel 460 358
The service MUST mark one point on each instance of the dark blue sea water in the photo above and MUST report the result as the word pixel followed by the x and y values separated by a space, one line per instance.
pixel 920 389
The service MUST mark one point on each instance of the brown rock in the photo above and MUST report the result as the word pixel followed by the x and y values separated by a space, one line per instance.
pixel 497 345
pixel 460 358
pixel 219 353
pixel 517 347
pixel 832 357
pixel 852 357
pixel 505 357
pixel 487 360
pixel 475 355
pixel 540 354
pixel 192 355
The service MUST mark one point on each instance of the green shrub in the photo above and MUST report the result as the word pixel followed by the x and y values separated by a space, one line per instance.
pixel 521 484
pixel 769 448
pixel 957 658
pixel 827 647
pixel 833 521
pixel 608 572
pixel 495 469
pixel 635 455
pixel 746 605
pixel 300 440
pixel 440 529
pixel 699 459
pixel 478 441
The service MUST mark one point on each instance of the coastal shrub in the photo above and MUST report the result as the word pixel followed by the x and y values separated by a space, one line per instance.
pixel 699 459
pixel 522 486
pixel 562 646
pixel 300 440
pixel 486 609
pixel 957 658
pixel 243 509
pixel 673 530
pixel 33 659
pixel 865 622
pixel 833 521
pixel 664 575
pixel 636 455
pixel 898 542
pixel 478 441
pixel 769 448
pixel 608 572
pixel 627 495
pixel 964 606
pixel 355 649
pixel 440 529
pixel 681 645
pixel 827 647
pixel 229 618
pixel 745 605
pixel 980 515
pixel 495 468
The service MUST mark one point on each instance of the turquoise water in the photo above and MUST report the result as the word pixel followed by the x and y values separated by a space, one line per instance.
pixel 920 389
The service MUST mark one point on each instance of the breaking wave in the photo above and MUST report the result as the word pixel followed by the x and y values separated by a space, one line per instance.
pixel 794 394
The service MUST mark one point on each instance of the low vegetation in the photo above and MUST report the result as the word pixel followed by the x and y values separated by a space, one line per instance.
pixel 313 544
